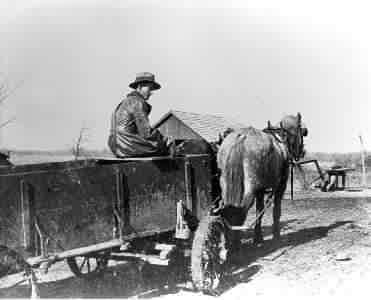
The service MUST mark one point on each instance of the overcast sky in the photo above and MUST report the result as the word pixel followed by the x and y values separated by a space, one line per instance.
pixel 249 60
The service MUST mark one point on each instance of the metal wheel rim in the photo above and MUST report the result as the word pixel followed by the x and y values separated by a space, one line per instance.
pixel 84 265
pixel 214 270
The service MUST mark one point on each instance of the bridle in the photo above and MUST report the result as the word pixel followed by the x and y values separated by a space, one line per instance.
pixel 284 136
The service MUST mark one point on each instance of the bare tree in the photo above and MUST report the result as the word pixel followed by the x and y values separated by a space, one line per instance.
pixel 5 93
pixel 77 148
pixel 5 90
pixel 6 122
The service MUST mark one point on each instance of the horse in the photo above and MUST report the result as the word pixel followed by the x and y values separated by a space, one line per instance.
pixel 253 162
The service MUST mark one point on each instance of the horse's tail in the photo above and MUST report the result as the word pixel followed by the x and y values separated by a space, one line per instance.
pixel 232 170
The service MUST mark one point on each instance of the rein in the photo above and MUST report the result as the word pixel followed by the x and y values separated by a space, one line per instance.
pixel 276 133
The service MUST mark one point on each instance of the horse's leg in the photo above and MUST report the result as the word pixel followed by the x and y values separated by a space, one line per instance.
pixel 258 236
pixel 277 213
pixel 247 202
pixel 245 205
pixel 278 195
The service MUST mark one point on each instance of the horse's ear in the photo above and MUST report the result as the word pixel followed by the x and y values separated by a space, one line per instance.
pixel 220 139
pixel 269 124
pixel 304 131
pixel 299 118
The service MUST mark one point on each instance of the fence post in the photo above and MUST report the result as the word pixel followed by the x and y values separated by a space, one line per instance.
pixel 364 183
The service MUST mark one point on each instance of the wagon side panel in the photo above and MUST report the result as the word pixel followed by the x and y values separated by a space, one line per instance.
pixel 150 192
pixel 73 208
pixel 201 184
pixel 11 225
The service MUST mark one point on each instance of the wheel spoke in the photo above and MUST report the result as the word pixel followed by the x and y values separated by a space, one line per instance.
pixel 88 265
pixel 82 264
pixel 215 279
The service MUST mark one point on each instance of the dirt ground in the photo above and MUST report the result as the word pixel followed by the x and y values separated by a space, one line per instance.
pixel 324 252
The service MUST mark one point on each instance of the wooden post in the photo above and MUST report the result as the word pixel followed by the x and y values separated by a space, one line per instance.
pixel 292 181
pixel 343 180
pixel 27 207
pixel 364 183
pixel 118 206
pixel 188 184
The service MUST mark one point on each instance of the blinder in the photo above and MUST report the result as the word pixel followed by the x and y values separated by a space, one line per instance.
pixel 304 131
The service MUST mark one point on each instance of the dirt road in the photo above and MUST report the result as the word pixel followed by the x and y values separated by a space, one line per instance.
pixel 324 251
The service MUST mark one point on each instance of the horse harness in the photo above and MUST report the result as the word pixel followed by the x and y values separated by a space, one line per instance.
pixel 280 135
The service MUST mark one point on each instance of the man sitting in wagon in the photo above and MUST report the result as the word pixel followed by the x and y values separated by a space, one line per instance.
pixel 131 134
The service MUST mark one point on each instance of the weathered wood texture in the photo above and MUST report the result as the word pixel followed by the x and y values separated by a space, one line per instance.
pixel 176 129
pixel 73 203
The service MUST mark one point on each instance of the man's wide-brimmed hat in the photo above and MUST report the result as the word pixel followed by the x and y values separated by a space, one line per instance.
pixel 145 77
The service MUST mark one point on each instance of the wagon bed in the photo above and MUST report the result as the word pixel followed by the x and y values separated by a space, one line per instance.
pixel 66 209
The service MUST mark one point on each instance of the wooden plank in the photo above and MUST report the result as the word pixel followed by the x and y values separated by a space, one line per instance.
pixel 114 159
pixel 167 247
pixel 37 260
pixel 31 170
pixel 89 249
pixel 47 167
pixel 340 170
pixel 152 259
pixel 103 160
pixel 83 251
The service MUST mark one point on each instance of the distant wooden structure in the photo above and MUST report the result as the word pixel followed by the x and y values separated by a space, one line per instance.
pixel 329 178
pixel 333 176
pixel 181 125
pixel 4 159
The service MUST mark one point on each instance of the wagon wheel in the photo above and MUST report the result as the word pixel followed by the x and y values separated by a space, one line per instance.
pixel 209 254
pixel 85 265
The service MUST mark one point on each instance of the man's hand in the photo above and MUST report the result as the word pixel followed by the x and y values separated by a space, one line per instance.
pixel 155 135
pixel 169 141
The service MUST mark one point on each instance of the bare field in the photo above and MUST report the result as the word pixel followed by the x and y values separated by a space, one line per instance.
pixel 324 251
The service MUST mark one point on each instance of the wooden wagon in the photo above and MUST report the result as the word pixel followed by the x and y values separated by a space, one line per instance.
pixel 89 211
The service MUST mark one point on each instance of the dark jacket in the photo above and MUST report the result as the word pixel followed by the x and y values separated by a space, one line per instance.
pixel 131 134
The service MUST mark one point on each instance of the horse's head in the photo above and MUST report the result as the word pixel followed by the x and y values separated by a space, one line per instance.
pixel 293 132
